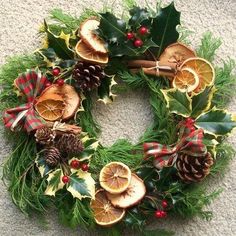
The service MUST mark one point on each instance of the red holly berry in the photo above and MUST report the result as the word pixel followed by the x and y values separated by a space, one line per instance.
pixel 75 164
pixel 129 35
pixel 84 167
pixel 164 203
pixel 143 30
pixel 190 120
pixel 192 129
pixel 48 84
pixel 65 179
pixel 56 71
pixel 60 82
pixel 158 214
pixel 138 43
pixel 163 214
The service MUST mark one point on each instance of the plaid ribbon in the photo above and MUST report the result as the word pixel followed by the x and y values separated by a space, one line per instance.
pixel 30 84
pixel 190 142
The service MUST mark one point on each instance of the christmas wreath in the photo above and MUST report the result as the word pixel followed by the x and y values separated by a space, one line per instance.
pixel 57 160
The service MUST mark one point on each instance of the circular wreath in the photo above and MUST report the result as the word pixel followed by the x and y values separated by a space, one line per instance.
pixel 57 159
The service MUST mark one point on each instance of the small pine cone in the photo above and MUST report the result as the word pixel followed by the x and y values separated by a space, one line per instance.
pixel 193 169
pixel 88 76
pixel 45 135
pixel 52 156
pixel 69 144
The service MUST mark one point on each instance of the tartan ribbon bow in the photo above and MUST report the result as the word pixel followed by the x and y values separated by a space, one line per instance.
pixel 190 142
pixel 30 84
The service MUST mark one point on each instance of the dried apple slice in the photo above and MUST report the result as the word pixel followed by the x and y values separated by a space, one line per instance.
pixel 132 196
pixel 88 36
pixel 176 53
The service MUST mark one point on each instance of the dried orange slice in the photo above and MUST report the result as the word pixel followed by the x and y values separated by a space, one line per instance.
pixel 51 107
pixel 115 177
pixel 186 80
pixel 87 54
pixel 104 213
pixel 88 35
pixel 203 69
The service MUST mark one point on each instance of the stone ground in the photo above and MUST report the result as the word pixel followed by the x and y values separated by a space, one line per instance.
pixel 128 116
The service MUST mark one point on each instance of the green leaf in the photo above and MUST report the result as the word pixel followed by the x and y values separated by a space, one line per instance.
pixel 60 44
pixel 54 182
pixel 138 15
pixel 202 101
pixel 163 29
pixel 178 102
pixel 105 90
pixel 44 169
pixel 216 122
pixel 81 185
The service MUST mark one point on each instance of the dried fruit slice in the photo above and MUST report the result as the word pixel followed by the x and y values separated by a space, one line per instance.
pixel 87 54
pixel 132 196
pixel 203 69
pixel 176 53
pixel 115 177
pixel 88 35
pixel 69 95
pixel 50 107
pixel 105 213
pixel 186 80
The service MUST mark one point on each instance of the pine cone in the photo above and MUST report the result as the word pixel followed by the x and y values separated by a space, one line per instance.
pixel 45 135
pixel 52 156
pixel 193 169
pixel 69 144
pixel 88 76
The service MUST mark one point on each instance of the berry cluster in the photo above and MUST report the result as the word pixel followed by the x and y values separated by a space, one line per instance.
pixel 161 213
pixel 56 72
pixel 137 41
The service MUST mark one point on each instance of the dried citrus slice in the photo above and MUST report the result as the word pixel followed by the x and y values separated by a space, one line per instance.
pixel 115 177
pixel 105 213
pixel 87 54
pixel 88 35
pixel 203 69
pixel 69 95
pixel 176 53
pixel 51 107
pixel 186 80
pixel 132 195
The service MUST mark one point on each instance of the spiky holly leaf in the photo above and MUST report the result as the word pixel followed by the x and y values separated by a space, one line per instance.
pixel 44 169
pixel 54 182
pixel 216 122
pixel 81 185
pixel 178 102
pixel 48 55
pixel 105 90
pixel 211 145
pixel 202 101
pixel 138 15
pixel 163 28
pixel 60 43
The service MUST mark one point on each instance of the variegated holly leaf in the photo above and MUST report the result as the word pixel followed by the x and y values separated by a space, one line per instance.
pixel 54 182
pixel 81 185
pixel 216 122
pixel 178 102
pixel 44 169
pixel 105 90
pixel 202 101
pixel 48 55
pixel 60 43
pixel 211 145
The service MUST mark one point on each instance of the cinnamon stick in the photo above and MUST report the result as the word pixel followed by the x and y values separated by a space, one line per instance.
pixel 62 128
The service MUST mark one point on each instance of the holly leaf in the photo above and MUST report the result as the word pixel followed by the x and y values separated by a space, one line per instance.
pixel 202 101
pixel 44 169
pixel 81 185
pixel 178 102
pixel 163 28
pixel 216 122
pixel 54 182
pixel 104 91
pixel 60 43
pixel 48 55
pixel 138 15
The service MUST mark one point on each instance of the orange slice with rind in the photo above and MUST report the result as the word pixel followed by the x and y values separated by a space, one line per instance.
pixel 186 80
pixel 85 53
pixel 105 214
pixel 115 177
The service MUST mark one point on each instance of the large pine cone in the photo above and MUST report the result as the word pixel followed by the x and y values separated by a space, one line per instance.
pixel 69 144
pixel 52 156
pixel 45 135
pixel 193 169
pixel 88 76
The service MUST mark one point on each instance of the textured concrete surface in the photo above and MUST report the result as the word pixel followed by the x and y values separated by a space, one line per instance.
pixel 128 115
